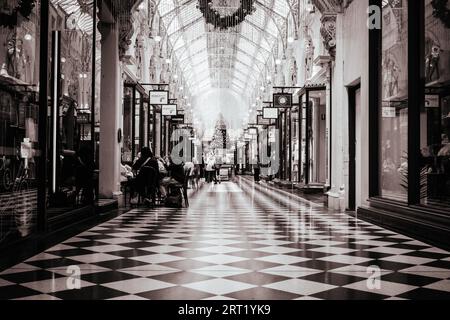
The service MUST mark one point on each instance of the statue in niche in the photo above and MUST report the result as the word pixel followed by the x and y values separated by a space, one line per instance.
pixel 294 71
pixel 163 76
pixel 309 58
pixel 432 63
pixel 152 69
pixel 138 56
pixel 281 81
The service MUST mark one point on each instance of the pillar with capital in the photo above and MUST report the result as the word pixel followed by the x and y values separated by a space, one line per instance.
pixel 110 111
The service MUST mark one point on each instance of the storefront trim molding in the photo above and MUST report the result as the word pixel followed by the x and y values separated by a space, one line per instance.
pixel 428 225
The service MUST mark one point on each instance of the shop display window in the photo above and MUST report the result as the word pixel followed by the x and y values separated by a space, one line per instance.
pixel 19 100
pixel 393 123
pixel 435 113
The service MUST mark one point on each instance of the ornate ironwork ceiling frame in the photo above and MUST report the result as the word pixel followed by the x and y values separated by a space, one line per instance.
pixel 184 56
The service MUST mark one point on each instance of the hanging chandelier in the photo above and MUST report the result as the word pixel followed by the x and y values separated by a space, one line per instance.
pixel 225 14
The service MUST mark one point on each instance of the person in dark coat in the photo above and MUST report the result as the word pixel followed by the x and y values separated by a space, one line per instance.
pixel 146 178
pixel 84 175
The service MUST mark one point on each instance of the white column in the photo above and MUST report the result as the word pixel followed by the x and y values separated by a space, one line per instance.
pixel 329 120
pixel 110 113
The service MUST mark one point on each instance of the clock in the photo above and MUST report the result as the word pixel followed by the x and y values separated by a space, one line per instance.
pixel 282 100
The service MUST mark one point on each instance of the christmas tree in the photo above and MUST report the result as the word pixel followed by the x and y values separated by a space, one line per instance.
pixel 220 139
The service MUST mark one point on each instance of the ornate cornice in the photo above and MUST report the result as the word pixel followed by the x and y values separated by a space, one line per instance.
pixel 328 32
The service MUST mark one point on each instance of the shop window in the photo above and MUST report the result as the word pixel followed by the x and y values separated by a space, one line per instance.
pixel 303 129
pixel 435 114
pixel 393 123
pixel 127 148
pixel 19 94
pixel 295 146
pixel 138 125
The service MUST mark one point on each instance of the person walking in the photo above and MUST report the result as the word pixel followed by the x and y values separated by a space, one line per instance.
pixel 218 166
pixel 210 169
pixel 257 172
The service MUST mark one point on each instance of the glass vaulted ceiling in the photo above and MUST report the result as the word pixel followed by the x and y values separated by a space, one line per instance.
pixel 80 12
pixel 212 58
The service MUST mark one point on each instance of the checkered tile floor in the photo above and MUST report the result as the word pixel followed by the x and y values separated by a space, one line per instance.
pixel 236 241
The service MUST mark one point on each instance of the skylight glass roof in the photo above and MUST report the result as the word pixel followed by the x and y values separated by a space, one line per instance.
pixel 81 14
pixel 216 58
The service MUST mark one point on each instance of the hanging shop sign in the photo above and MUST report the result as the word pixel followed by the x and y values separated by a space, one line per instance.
pixel 282 100
pixel 431 101
pixel 178 118
pixel 159 97
pixel 270 113
pixel 169 110
pixel 389 112
pixel 265 122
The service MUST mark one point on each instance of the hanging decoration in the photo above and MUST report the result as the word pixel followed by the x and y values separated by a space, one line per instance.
pixel 222 22
pixel 441 11
pixel 10 19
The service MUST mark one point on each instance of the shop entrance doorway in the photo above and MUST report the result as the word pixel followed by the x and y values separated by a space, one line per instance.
pixel 316 138
pixel 354 95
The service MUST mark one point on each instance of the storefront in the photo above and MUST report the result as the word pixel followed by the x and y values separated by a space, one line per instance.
pixel 295 144
pixel 410 118
pixel 310 122
pixel 138 121
pixel 47 145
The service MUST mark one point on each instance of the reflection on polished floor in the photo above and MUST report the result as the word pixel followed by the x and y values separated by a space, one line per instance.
pixel 238 240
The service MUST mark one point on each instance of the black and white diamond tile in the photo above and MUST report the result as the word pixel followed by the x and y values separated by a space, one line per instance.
pixel 236 241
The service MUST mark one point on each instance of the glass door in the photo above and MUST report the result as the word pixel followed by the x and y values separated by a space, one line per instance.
pixel 71 163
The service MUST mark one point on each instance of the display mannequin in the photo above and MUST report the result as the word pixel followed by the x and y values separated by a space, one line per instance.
pixel 432 63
